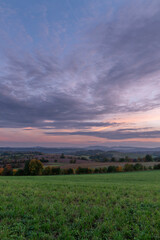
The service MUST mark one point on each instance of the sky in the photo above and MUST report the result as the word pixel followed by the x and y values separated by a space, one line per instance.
pixel 79 73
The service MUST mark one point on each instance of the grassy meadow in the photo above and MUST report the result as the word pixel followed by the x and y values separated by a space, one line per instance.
pixel 114 206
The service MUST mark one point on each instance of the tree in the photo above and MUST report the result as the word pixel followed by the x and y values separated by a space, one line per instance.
pixel 111 169
pixel 70 171
pixel 20 172
pixel 26 168
pixel 156 166
pixel 8 171
pixel 1 170
pixel 119 169
pixel 128 167
pixel 113 159
pixel 62 155
pixel 55 171
pixel 138 167
pixel 47 171
pixel 35 167
pixel 148 158
pixel 80 170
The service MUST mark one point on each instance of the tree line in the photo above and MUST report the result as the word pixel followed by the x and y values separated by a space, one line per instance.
pixel 35 167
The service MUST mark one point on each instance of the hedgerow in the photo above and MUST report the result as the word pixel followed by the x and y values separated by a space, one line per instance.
pixel 35 167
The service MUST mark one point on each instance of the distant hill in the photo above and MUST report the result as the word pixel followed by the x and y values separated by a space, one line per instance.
pixel 87 150
pixel 39 149
pixel 124 149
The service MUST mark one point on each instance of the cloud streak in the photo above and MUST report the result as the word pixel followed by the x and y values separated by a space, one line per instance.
pixel 112 135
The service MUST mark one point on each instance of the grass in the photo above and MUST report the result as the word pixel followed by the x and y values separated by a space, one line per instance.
pixel 104 206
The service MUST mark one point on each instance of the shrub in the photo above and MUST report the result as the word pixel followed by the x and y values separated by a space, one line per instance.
pixel 84 158
pixel 73 161
pixel 1 170
pixel 55 171
pixel 119 169
pixel 26 168
pixel 104 170
pixel 106 159
pixel 156 167
pixel 14 172
pixel 122 159
pixel 20 172
pixel 67 171
pixel 70 171
pixel 44 160
pixel 8 171
pixel 35 167
pixel 62 155
pixel 128 167
pixel 100 170
pixel 111 169
pixel 113 159
pixel 145 168
pixel 96 170
pixel 80 170
pixel 138 167
pixel 47 171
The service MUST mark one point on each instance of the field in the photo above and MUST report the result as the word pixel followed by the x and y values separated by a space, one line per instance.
pixel 104 206
pixel 92 159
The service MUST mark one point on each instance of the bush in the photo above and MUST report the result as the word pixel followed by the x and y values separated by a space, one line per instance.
pixel 138 167
pixel 84 158
pixel 73 161
pixel 156 167
pixel 70 171
pixel 14 172
pixel 128 168
pixel 47 171
pixel 20 172
pixel 104 170
pixel 67 171
pixel 44 160
pixel 80 170
pixel 8 171
pixel 1 170
pixel 106 159
pixel 62 155
pixel 100 170
pixel 111 169
pixel 122 159
pixel 119 169
pixel 96 170
pixel 26 168
pixel 55 171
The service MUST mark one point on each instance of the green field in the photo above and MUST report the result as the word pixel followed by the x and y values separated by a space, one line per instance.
pixel 104 206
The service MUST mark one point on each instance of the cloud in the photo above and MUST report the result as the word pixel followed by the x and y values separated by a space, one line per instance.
pixel 112 135
pixel 112 69
pixel 78 124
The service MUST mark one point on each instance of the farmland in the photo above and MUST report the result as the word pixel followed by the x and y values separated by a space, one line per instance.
pixel 92 159
pixel 100 206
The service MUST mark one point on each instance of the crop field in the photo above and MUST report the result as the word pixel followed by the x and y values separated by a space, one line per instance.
pixel 93 164
pixel 114 206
